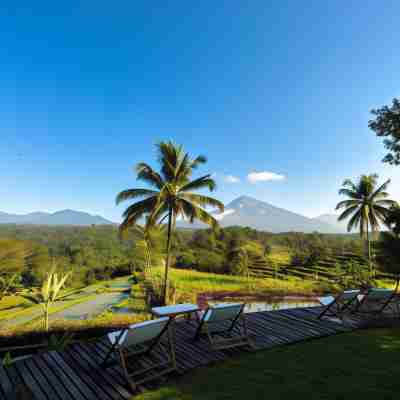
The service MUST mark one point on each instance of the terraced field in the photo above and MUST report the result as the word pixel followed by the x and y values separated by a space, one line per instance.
pixel 277 265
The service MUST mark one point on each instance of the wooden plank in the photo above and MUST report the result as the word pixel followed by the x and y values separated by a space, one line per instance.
pixel 30 382
pixel 6 384
pixel 70 380
pixel 312 328
pixel 265 337
pixel 290 330
pixel 19 386
pixel 108 375
pixel 52 379
pixel 280 329
pixel 96 385
pixel 102 349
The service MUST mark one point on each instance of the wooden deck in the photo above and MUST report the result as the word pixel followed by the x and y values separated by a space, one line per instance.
pixel 76 374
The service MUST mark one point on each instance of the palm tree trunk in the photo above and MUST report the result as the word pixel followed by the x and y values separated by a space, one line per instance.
pixel 148 260
pixel 167 261
pixel 46 317
pixel 369 247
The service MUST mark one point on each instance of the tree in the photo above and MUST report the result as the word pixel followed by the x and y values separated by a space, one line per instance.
pixel 49 293
pixel 387 124
pixel 393 220
pixel 171 195
pixel 151 237
pixel 367 206
pixel 389 242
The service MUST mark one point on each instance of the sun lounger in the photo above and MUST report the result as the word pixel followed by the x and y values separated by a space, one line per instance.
pixel 376 301
pixel 224 325
pixel 337 306
pixel 134 343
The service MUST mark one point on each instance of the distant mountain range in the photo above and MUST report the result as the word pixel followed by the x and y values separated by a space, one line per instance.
pixel 243 211
pixel 256 214
pixel 63 217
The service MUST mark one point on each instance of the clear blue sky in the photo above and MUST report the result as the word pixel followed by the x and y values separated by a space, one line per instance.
pixel 88 88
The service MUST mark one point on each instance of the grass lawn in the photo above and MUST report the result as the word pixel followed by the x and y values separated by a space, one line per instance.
pixel 361 365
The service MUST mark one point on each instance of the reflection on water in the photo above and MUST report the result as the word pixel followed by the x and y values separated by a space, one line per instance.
pixel 272 304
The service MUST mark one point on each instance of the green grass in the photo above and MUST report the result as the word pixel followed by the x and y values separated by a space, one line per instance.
pixel 191 283
pixel 362 365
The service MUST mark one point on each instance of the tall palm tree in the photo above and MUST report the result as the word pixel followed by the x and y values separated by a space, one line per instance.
pixel 171 195
pixel 367 206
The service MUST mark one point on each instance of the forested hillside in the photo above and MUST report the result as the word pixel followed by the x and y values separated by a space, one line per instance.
pixel 96 253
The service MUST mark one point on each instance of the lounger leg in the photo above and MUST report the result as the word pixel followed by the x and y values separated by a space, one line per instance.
pixel 171 340
pixel 130 379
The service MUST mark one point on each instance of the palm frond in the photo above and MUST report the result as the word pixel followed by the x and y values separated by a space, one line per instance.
pixel 200 183
pixel 346 213
pixel 141 207
pixel 193 212
pixel 148 175
pixel 354 222
pixel 130 194
pixel 197 161
pixel 349 193
pixel 203 201
pixel 381 190
pixel 32 299
pixel 169 156
pixel 347 203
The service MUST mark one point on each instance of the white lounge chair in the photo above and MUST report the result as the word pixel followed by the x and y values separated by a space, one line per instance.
pixel 336 306
pixel 376 301
pixel 224 325
pixel 137 341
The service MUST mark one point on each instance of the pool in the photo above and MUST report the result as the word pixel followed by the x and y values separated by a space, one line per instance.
pixel 281 303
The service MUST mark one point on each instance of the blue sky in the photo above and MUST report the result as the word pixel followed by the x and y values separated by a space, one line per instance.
pixel 88 88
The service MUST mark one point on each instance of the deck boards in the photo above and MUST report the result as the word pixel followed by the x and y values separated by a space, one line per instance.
pixel 75 374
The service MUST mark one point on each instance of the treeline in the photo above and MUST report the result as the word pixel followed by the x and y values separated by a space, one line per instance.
pixel 91 253
pixel 95 253
pixel 232 250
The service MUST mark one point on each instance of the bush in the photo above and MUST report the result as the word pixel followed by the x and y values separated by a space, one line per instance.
pixel 186 260
pixel 209 261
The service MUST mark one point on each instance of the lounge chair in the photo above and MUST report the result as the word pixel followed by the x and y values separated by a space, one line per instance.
pixel 376 301
pixel 336 306
pixel 137 341
pixel 224 325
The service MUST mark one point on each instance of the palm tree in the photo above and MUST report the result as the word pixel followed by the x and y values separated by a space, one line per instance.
pixel 367 205
pixel 171 195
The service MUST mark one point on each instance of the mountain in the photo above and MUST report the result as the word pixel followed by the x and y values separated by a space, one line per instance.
pixel 332 219
pixel 63 217
pixel 247 211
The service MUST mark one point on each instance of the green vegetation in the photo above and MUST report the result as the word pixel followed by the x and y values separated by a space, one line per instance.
pixel 356 365
pixel 172 195
pixel 50 292
pixel 387 125
pixel 367 206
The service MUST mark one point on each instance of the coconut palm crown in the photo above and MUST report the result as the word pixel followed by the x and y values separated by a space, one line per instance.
pixel 170 194
pixel 367 205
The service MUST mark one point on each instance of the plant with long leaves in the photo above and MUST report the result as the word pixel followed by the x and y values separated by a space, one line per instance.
pixel 50 292
pixel 367 206
pixel 171 195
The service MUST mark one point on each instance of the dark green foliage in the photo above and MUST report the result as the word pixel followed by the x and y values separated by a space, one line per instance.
pixel 209 261
pixel 387 125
